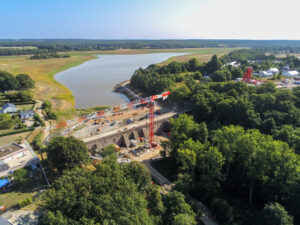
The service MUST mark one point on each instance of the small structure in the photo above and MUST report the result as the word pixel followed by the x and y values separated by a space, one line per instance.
pixel 27 114
pixel 234 64
pixel 14 156
pixel 273 71
pixel 269 73
pixel 8 108
pixel 265 74
pixel 290 73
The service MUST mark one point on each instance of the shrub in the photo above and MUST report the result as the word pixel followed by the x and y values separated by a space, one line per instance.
pixel 25 202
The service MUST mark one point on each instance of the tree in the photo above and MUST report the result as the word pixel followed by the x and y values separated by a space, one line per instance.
pixel 203 132
pixel 274 214
pixel 193 64
pixel 183 128
pixel 208 172
pixel 221 76
pixel 20 177
pixel 25 81
pixel 53 218
pixel 175 205
pixel 225 140
pixel 25 96
pixel 184 219
pixel 6 121
pixel 8 81
pixel 181 93
pixel 109 151
pixel 139 174
pixel 197 75
pixel 213 65
pixel 102 196
pixel 67 153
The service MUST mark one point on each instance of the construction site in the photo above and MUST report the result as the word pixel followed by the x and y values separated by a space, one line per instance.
pixel 136 128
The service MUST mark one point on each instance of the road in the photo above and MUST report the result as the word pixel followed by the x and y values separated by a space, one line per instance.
pixel 206 217
pixel 46 130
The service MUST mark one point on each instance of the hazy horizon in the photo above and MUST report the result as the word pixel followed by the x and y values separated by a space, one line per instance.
pixel 150 20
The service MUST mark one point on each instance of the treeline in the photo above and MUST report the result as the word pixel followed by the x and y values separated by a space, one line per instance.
pixel 112 193
pixel 9 82
pixel 49 56
pixel 155 79
pixel 223 165
pixel 56 45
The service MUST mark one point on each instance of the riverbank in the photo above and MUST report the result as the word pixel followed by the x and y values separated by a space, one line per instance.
pixel 43 72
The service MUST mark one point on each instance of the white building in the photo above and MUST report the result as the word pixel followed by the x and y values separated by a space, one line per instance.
pixel 265 74
pixel 27 114
pixel 234 63
pixel 14 156
pixel 290 73
pixel 8 108
pixel 273 70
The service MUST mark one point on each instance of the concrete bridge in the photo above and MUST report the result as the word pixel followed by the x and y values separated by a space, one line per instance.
pixel 122 136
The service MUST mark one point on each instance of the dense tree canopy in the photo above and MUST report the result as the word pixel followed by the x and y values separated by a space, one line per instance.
pixel 112 194
pixel 11 82
pixel 67 153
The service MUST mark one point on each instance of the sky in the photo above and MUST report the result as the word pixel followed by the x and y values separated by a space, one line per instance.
pixel 150 19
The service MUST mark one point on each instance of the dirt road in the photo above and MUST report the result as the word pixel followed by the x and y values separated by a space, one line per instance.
pixel 46 129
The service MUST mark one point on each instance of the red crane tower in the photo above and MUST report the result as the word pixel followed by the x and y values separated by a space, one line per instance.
pixel 150 102
pixel 247 75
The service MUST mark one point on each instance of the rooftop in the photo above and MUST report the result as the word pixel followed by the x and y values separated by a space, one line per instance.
pixel 8 149
pixel 8 105
pixel 27 159
pixel 26 112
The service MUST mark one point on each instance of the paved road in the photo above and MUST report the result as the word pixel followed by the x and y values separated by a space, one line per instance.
pixel 167 184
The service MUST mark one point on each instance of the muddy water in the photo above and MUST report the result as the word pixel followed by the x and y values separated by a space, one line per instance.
pixel 92 82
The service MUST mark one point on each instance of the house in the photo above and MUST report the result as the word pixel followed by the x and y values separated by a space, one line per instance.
pixel 15 156
pixel 290 73
pixel 265 74
pixel 234 63
pixel 273 70
pixel 27 114
pixel 8 108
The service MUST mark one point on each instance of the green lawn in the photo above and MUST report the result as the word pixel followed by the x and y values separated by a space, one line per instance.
pixel 11 138
pixel 27 190
pixel 12 198
pixel 25 107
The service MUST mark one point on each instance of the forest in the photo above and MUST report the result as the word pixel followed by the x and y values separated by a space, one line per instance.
pixel 111 193
pixel 238 149
pixel 8 47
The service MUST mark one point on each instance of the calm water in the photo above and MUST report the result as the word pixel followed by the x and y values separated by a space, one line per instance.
pixel 92 82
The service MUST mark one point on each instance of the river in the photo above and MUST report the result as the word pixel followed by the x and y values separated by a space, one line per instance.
pixel 92 82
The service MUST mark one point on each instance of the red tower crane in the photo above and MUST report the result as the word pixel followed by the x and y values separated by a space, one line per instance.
pixel 150 102
pixel 247 75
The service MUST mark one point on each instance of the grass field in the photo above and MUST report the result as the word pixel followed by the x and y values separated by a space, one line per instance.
pixel 12 138
pixel 43 71
pixel 12 198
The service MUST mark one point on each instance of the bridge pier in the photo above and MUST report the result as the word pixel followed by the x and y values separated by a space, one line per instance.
pixel 96 143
